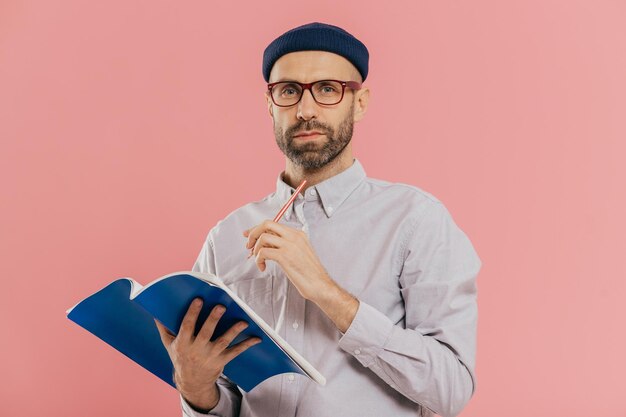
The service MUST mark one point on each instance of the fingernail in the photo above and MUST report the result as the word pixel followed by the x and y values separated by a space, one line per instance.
pixel 220 309
pixel 197 301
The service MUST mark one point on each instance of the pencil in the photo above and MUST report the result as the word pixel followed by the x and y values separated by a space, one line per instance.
pixel 284 209
pixel 288 203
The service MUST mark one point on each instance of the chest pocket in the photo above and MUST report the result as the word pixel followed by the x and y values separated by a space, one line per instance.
pixel 257 293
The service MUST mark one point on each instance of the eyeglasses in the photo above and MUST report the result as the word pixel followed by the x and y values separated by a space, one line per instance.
pixel 327 92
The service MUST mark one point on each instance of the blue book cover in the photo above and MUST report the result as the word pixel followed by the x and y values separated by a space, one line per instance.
pixel 122 314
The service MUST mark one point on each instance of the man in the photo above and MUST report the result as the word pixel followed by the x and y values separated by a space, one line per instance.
pixel 371 281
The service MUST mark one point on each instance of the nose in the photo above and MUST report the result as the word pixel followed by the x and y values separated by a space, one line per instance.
pixel 307 106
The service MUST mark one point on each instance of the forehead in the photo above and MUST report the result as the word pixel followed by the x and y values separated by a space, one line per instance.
pixel 307 66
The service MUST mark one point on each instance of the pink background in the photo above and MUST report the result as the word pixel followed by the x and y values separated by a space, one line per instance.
pixel 128 128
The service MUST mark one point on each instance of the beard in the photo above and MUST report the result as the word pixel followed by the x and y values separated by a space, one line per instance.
pixel 313 155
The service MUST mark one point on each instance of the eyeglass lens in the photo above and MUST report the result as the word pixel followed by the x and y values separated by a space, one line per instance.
pixel 324 92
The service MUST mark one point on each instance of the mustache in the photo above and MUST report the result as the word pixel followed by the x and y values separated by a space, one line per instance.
pixel 310 125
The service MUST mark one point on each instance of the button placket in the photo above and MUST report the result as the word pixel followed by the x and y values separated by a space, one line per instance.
pixel 299 209
pixel 289 385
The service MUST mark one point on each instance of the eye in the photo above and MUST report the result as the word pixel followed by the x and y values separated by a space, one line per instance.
pixel 328 89
pixel 289 90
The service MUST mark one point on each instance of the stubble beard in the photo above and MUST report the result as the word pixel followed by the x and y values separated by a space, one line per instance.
pixel 313 155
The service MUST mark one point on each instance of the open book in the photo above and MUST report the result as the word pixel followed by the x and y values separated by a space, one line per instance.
pixel 122 315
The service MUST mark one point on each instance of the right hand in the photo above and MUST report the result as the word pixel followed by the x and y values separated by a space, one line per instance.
pixel 198 361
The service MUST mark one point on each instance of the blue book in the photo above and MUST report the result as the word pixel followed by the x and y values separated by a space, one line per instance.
pixel 122 314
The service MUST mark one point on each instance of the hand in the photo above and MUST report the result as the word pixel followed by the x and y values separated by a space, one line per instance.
pixel 197 361
pixel 291 249
pixel 295 255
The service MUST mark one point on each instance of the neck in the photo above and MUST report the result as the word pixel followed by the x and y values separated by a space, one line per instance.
pixel 294 174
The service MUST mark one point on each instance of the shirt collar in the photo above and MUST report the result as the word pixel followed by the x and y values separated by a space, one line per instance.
pixel 332 191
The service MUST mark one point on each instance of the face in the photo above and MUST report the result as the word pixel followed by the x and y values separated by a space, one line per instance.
pixel 334 123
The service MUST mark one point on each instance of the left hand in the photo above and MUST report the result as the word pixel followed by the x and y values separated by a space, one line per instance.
pixel 293 252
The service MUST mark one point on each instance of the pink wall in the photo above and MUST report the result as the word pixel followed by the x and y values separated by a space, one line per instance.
pixel 128 128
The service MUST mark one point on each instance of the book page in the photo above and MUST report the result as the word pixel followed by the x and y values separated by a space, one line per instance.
pixel 209 279
pixel 133 284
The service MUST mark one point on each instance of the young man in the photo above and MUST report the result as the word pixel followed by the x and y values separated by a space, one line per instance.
pixel 372 282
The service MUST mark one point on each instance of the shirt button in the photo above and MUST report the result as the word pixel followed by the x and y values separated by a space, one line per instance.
pixel 295 325
pixel 290 377
pixel 357 351
pixel 330 209
pixel 313 192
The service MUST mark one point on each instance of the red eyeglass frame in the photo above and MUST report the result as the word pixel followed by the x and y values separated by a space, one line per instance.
pixel 307 86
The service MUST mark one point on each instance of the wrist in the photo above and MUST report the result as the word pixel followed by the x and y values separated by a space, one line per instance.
pixel 202 402
pixel 338 304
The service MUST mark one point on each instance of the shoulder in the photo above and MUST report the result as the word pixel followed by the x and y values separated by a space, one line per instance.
pixel 416 194
pixel 411 201
pixel 242 218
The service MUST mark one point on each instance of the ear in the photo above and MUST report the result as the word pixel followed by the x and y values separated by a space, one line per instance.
pixel 360 103
pixel 270 107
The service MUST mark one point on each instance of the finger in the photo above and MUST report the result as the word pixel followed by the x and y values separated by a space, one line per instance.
pixel 265 254
pixel 206 332
pixel 267 240
pixel 166 336
pixel 246 233
pixel 188 325
pixel 252 236
pixel 235 350
pixel 222 342
pixel 267 226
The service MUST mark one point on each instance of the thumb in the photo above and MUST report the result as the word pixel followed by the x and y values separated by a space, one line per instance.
pixel 166 337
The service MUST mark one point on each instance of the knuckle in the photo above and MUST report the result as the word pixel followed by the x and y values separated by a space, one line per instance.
pixel 177 349
pixel 221 342
pixel 194 356
pixel 186 326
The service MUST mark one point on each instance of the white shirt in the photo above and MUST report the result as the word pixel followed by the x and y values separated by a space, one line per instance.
pixel 410 350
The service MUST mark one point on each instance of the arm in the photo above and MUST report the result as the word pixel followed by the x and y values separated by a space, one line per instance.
pixel 227 405
pixel 227 394
pixel 431 359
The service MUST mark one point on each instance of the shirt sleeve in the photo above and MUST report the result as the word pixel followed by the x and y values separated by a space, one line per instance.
pixel 430 357
pixel 230 396
pixel 227 406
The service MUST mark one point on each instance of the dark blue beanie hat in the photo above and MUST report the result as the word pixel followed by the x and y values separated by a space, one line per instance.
pixel 317 37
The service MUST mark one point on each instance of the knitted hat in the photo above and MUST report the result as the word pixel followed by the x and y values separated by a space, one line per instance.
pixel 317 37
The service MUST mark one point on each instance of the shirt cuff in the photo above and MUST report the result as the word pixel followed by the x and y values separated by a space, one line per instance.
pixel 367 335
pixel 221 409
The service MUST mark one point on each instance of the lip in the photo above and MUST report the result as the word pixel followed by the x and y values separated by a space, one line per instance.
pixel 307 133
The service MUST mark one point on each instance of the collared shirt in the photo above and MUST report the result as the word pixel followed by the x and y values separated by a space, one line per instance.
pixel 410 350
